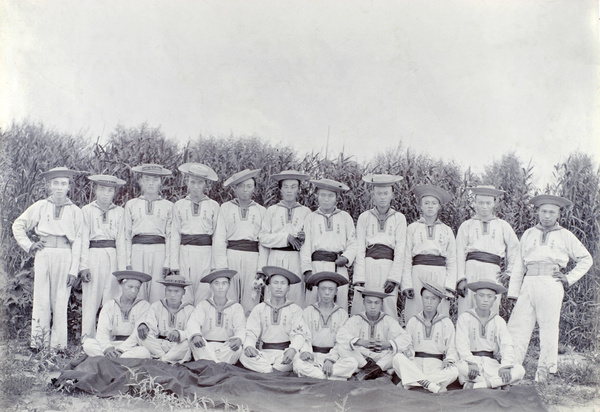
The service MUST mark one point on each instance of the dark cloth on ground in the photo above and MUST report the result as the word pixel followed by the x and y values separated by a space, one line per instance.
pixel 282 391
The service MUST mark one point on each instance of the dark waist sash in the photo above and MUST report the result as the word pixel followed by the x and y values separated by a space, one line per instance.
pixel 148 240
pixel 428 260
pixel 484 257
pixel 429 355
pixel 196 240
pixel 320 349
pixel 102 244
pixel 243 245
pixel 379 251
pixel 324 256
pixel 488 354
pixel 120 338
pixel 288 248
pixel 162 337
pixel 213 340
pixel 276 345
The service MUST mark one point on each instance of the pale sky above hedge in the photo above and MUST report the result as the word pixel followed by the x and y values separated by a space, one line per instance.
pixel 466 80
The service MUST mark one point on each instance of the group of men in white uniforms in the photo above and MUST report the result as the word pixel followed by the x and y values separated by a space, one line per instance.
pixel 151 236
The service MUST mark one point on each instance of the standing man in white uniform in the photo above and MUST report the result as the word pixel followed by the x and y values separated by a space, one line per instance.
pixel 540 282
pixel 381 237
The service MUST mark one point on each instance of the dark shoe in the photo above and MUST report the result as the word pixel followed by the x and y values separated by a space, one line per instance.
pixel 370 371
pixel 395 379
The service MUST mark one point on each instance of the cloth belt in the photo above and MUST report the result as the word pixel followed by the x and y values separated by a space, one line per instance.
pixel 243 245
pixel 379 251
pixel 56 241
pixel 276 345
pixel 148 240
pixel 161 337
pixel 485 353
pixel 324 256
pixel 484 257
pixel 120 338
pixel 213 340
pixel 287 248
pixel 542 269
pixel 429 355
pixel 320 349
pixel 196 240
pixel 428 260
pixel 102 244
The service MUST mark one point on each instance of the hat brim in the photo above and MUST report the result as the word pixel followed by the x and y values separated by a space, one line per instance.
pixel 210 173
pixel 550 200
pixel 319 277
pixel 486 191
pixel 154 172
pixel 381 179
pixel 290 176
pixel 132 274
pixel 181 284
pixel 53 174
pixel 216 274
pixel 431 190
pixel 106 180
pixel 331 185
pixel 486 284
pixel 240 177
pixel 271 271
pixel 436 290
pixel 376 293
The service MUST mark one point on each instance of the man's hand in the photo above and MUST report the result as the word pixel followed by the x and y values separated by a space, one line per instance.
pixel 234 343
pixel 462 288
pixel 307 275
pixel 143 331
pixel 341 261
pixel 251 352
pixel 36 246
pixel 407 352
pixel 307 356
pixel 288 356
pixel 446 363
pixel 389 286
pixel 328 367
pixel 562 278
pixel 294 242
pixel 364 343
pixel 173 336
pixel 505 374
pixel 166 272
pixel 473 371
pixel 379 346
pixel 112 353
pixel 85 275
pixel 198 341
pixel 71 281
pixel 409 293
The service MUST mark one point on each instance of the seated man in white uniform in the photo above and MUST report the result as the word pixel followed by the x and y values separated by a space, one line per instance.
pixel 119 318
pixel 278 324
pixel 432 365
pixel 481 337
pixel 320 358
pixel 163 333
pixel 372 337
pixel 217 326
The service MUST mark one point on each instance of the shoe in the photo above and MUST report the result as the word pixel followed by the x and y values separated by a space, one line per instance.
pixel 395 379
pixel 370 371
pixel 541 375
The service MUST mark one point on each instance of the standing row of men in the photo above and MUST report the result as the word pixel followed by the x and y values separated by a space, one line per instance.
pixel 153 236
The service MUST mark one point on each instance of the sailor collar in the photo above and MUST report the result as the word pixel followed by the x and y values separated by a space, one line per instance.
pixel 148 200
pixel 437 221
pixel 328 215
pixel 489 219
pixel 372 322
pixel 237 203
pixel 229 303
pixel 552 229
pixel 181 306
pixel 437 318
pixel 326 321
pixel 293 207
pixel 66 203
pixel 110 207
pixel 198 202
pixel 287 303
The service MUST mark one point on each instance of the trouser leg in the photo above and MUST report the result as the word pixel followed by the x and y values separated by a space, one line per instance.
pixel 59 297
pixel 92 347
pixel 522 321
pixel 548 302
pixel 41 312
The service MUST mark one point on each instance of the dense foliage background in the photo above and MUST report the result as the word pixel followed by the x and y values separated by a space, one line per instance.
pixel 28 149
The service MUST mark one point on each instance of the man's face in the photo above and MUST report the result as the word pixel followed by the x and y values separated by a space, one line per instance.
pixel 327 291
pixel 220 287
pixel 174 295
pixel 279 286
pixel 244 190
pixel 326 199
pixel 430 206
pixel 150 184
pixel 485 298
pixel 130 288
pixel 548 215
pixel 484 205
pixel 382 196
pixel 430 301
pixel 196 186
pixel 289 190
pixel 105 194
pixel 373 305
pixel 59 187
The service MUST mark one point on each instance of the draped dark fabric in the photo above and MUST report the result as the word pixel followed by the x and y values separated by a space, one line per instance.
pixel 379 251
pixel 428 260
pixel 484 257
pixel 148 240
pixel 196 240
pixel 243 245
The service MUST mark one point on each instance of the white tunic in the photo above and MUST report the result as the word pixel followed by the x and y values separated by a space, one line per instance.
pixel 101 225
pixel 113 321
pixel 218 325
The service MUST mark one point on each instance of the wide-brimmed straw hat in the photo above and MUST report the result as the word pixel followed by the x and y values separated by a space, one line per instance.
pixel 436 289
pixel 487 284
pixel 550 200
pixel 328 184
pixel 290 174
pixel 151 169
pixel 132 274
pixel 271 271
pixel 377 292
pixel 319 277
pixel 239 177
pixel 216 274
pixel 60 171
pixel 199 170
pixel 486 190
pixel 381 179
pixel 106 180
pixel 175 280
pixel 431 190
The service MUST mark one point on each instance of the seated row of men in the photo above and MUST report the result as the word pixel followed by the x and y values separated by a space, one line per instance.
pixel 319 341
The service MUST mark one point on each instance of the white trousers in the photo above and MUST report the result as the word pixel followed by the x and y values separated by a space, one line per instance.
pixel 92 348
pixel 194 263
pixel 410 371
pixel 216 352
pixel 50 298
pixel 476 271
pixel 267 361
pixel 246 264
pixel 383 359
pixel 101 288
pixel 376 273
pixel 488 373
pixel 342 369
pixel 149 259
pixel 540 300
pixel 166 351
pixel 342 293
pixel 420 274
pixel 289 260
